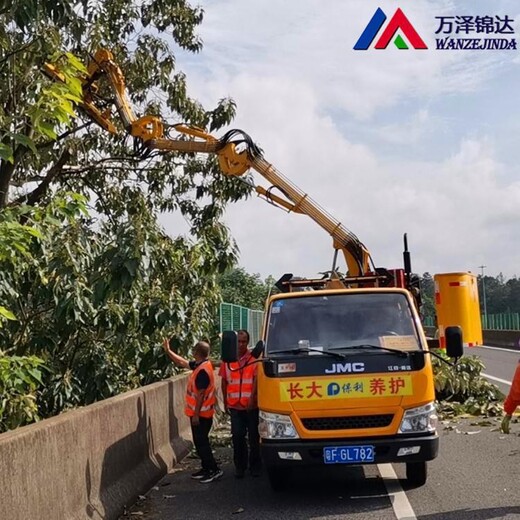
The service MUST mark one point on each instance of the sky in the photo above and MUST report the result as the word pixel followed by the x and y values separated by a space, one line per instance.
pixel 424 142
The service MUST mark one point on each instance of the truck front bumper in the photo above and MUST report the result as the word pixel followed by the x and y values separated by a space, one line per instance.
pixel 387 449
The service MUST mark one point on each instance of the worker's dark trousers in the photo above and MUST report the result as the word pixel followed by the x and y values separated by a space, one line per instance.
pixel 200 435
pixel 245 423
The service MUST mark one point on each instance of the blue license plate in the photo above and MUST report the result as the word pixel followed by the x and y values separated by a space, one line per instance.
pixel 348 454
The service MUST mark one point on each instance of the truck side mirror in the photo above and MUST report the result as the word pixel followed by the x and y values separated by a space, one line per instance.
pixel 229 346
pixel 269 367
pixel 258 350
pixel 454 344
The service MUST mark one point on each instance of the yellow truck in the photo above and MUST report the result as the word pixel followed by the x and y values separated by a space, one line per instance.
pixel 345 374
pixel 345 378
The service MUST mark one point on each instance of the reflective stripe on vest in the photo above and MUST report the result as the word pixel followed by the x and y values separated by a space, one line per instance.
pixel 239 382
pixel 208 404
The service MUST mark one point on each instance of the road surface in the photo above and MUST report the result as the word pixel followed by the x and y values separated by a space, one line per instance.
pixel 476 476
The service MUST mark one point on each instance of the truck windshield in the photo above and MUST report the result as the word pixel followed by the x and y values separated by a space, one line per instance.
pixel 342 321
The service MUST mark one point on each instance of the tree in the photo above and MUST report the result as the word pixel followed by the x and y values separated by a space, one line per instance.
pixel 513 295
pixel 20 376
pixel 95 305
pixel 241 288
pixel 84 158
pixel 427 295
pixel 496 297
pixel 98 293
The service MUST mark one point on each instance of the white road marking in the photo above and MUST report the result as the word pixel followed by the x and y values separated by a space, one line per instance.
pixel 497 379
pixel 400 503
pixel 402 508
pixel 493 377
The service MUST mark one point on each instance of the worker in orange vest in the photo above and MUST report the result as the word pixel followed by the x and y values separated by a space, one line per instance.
pixel 512 400
pixel 239 391
pixel 200 406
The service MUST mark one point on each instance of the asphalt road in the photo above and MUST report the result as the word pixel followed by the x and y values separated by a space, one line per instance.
pixel 476 476
pixel 500 364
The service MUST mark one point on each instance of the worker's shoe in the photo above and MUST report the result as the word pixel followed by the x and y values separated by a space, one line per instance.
pixel 199 474
pixel 211 476
pixel 504 425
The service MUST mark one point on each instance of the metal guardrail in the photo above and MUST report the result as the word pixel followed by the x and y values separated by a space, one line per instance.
pixel 501 321
pixel 236 317
pixel 509 339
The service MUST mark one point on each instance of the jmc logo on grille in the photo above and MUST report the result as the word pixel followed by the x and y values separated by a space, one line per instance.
pixel 345 368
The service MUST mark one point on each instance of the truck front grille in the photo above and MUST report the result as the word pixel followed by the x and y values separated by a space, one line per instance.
pixel 354 422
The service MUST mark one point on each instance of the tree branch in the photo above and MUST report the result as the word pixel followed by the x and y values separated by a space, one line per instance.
pixel 20 49
pixel 37 194
pixel 7 168
pixel 62 136
pixel 6 174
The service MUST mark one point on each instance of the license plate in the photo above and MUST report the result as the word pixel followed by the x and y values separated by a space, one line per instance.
pixel 348 454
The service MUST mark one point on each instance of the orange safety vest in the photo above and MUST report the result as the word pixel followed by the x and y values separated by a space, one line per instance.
pixel 513 398
pixel 239 382
pixel 208 404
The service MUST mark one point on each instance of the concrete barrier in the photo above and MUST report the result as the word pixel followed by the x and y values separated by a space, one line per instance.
pixel 91 462
pixel 502 338
pixel 493 338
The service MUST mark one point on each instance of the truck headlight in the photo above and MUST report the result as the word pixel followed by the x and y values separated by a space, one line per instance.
pixel 276 426
pixel 419 420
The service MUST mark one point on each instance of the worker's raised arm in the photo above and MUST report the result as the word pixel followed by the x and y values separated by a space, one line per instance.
pixel 178 360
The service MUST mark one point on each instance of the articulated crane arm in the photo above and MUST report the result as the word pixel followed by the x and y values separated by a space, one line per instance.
pixel 235 163
pixel 236 155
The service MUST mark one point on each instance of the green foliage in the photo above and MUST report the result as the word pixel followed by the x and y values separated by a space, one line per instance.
pixel 32 110
pixel 502 296
pixel 41 140
pixel 462 390
pixel 17 242
pixel 26 12
pixel 96 304
pixel 55 107
pixel 20 378
pixel 248 290
pixel 427 295
pixel 6 314
pixel 92 297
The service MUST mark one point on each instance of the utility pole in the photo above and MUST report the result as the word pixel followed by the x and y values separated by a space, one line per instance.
pixel 484 294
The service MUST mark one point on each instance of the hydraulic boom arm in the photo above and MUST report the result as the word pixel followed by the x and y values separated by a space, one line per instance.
pixel 236 163
pixel 149 130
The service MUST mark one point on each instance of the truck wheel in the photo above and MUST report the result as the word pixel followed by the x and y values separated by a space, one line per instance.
pixel 416 473
pixel 278 478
